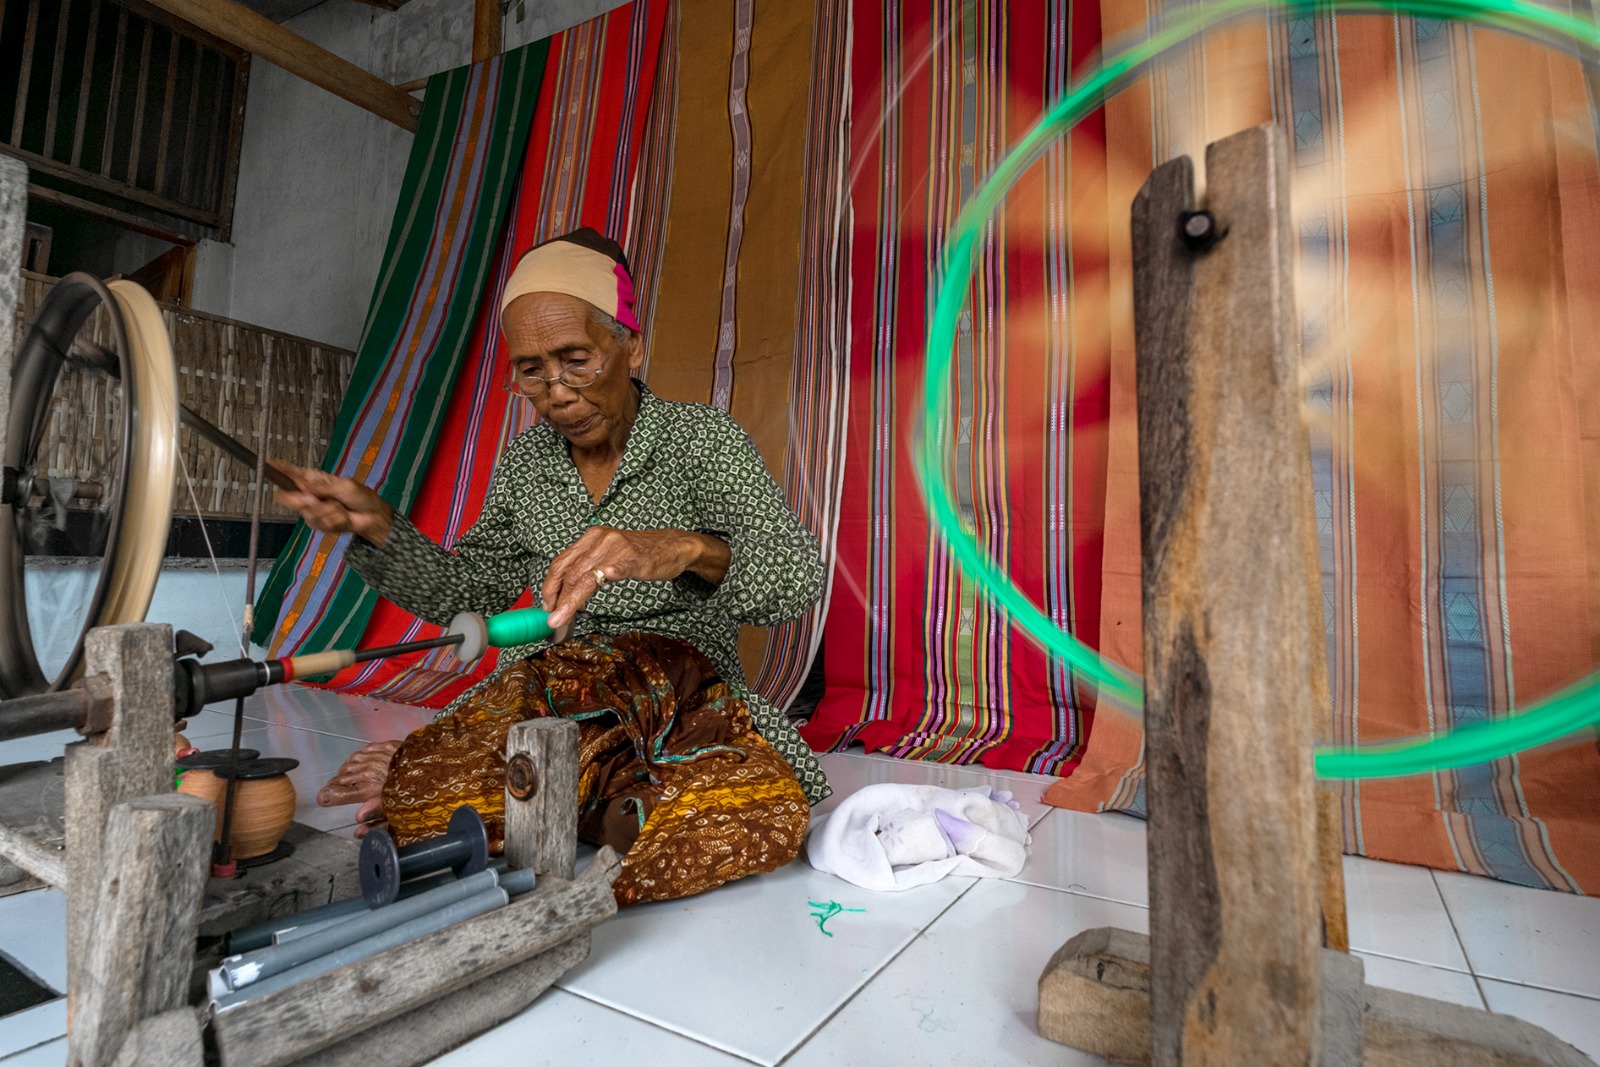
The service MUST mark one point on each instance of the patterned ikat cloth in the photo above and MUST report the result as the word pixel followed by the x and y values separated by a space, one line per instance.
pixel 686 467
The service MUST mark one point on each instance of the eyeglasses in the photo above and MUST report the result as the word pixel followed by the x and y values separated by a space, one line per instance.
pixel 533 386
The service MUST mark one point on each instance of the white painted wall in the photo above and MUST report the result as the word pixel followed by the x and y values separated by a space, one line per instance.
pixel 194 598
pixel 319 177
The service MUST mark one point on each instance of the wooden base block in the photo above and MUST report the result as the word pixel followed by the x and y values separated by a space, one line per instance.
pixel 436 1028
pixel 1405 1030
pixel 171 1039
pixel 1094 995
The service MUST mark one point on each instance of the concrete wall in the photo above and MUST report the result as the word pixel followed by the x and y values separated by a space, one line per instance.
pixel 319 178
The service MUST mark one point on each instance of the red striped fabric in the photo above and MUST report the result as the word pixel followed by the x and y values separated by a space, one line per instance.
pixel 918 664
pixel 579 170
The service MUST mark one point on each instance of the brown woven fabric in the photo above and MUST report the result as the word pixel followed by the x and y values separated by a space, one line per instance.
pixel 673 775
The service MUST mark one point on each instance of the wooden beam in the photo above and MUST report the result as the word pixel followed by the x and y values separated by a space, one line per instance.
pixel 262 37
pixel 486 27
pixel 111 214
pixel 1234 665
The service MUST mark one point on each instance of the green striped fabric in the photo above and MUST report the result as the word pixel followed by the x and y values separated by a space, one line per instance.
pixel 458 188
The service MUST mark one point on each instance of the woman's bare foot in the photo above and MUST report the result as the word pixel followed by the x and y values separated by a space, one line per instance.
pixel 360 780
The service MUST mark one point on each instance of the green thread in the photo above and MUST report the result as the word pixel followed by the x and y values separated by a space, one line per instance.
pixel 1544 721
pixel 827 911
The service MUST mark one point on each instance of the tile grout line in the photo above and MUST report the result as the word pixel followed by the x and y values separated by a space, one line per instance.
pixel 1085 894
pixel 606 1005
pixel 1477 982
pixel 31 1048
pixel 873 977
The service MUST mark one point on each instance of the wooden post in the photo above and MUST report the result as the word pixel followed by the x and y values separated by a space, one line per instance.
pixel 542 796
pixel 13 224
pixel 1246 882
pixel 146 915
pixel 260 36
pixel 131 759
pixel 486 29
pixel 1233 665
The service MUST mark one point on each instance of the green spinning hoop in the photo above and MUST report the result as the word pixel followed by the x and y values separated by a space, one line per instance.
pixel 1547 720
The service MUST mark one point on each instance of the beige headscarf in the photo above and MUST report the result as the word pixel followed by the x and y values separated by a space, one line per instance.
pixel 577 265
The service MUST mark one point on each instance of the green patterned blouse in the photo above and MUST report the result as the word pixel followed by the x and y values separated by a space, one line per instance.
pixel 685 467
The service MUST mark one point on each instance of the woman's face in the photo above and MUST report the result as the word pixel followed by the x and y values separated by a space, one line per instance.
pixel 548 333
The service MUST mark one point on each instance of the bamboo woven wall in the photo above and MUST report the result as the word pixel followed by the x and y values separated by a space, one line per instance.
pixel 219 375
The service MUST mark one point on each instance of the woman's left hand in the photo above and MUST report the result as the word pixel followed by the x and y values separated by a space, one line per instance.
pixel 605 554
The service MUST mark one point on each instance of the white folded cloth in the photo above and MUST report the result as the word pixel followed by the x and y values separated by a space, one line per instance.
pixel 890 836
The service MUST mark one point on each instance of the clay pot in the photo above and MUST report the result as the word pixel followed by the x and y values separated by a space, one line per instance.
pixel 263 800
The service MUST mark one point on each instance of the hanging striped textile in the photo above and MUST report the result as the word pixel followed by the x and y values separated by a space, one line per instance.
pixel 578 170
pixel 1444 187
pixel 458 184
pixel 918 663
pixel 754 274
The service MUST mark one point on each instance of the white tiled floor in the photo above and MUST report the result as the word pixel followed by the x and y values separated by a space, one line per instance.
pixel 942 974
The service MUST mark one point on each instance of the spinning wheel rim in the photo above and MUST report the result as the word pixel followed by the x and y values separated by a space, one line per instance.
pixel 140 502
pixel 146 511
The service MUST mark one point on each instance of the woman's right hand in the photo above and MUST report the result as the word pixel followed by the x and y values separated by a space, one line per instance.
pixel 337 505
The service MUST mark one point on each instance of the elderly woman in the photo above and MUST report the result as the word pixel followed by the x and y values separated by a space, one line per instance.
pixel 651 530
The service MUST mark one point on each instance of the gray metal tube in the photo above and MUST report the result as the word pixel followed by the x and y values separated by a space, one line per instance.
pixel 239 971
pixel 264 934
pixel 460 911
pixel 26 716
pixel 517 882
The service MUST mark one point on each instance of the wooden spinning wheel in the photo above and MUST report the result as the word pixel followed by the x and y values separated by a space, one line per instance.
pixel 136 496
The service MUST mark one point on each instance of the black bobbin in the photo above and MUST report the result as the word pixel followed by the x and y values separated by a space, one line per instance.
pixel 463 848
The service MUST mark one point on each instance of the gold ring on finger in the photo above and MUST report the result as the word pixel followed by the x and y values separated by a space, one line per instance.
pixel 599 578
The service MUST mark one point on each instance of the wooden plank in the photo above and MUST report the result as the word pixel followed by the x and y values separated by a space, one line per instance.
pixel 214 141
pixel 424 1033
pixel 262 37
pixel 542 821
pixel 131 759
pixel 13 226
pixel 486 30
pixel 30 35
pixel 45 863
pixel 32 800
pixel 146 914
pixel 185 171
pixel 1405 1030
pixel 90 180
pixel 113 94
pixel 57 61
pixel 164 140
pixel 1330 869
pixel 230 163
pixel 1231 659
pixel 121 218
pixel 141 91
pixel 91 45
pixel 294 1023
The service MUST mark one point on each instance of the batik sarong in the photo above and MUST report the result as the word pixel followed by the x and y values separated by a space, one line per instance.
pixel 672 773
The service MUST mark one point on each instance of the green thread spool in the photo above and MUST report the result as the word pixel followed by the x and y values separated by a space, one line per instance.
pixel 523 626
